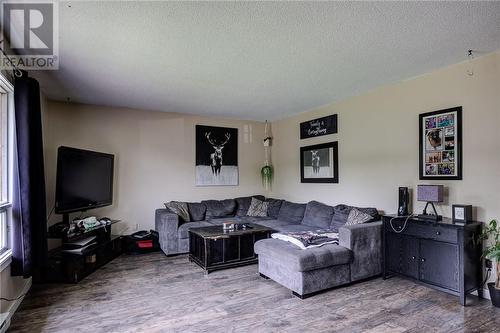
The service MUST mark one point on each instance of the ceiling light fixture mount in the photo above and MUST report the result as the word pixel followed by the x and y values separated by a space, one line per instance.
pixel 470 55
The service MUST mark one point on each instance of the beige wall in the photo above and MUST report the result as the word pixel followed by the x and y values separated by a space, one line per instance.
pixel 378 147
pixel 154 156
pixel 378 142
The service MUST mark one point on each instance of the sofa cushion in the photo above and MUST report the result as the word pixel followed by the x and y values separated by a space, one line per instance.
pixel 300 260
pixel 318 214
pixel 183 229
pixel 243 203
pixel 341 214
pixel 273 207
pixel 196 211
pixel 339 218
pixel 296 227
pixel 220 220
pixel 179 208
pixel 238 219
pixel 254 219
pixel 257 208
pixel 291 212
pixel 219 208
pixel 274 224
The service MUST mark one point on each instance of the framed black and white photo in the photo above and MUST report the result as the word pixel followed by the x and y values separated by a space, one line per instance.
pixel 441 144
pixel 216 155
pixel 319 163
pixel 318 127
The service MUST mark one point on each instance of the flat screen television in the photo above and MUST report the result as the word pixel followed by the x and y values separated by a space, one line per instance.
pixel 84 180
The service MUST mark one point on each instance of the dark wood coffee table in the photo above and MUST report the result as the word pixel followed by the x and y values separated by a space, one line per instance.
pixel 212 248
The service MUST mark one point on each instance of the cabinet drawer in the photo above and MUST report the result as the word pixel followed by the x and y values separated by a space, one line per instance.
pixel 428 231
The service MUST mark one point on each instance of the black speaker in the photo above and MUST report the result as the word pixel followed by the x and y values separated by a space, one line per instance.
pixel 403 201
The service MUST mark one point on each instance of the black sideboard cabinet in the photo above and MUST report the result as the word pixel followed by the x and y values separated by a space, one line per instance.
pixel 441 255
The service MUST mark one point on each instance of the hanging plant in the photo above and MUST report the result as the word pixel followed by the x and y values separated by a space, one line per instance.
pixel 267 176
pixel 267 172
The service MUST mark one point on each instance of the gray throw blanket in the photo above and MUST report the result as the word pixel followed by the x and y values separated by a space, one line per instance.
pixel 308 239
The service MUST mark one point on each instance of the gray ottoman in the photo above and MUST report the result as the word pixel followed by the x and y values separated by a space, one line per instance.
pixel 305 272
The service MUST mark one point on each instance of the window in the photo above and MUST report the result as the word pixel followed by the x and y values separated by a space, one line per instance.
pixel 6 176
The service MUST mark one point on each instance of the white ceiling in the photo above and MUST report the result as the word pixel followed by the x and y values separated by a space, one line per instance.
pixel 256 60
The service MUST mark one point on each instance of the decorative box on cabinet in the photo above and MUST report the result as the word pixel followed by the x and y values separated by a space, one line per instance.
pixel 441 255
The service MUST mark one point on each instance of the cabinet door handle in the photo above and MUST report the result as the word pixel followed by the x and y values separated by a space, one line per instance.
pixel 438 233
pixel 422 260
pixel 413 258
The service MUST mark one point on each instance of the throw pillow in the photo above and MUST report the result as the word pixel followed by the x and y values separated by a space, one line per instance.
pixel 196 211
pixel 273 207
pixel 179 208
pixel 257 208
pixel 219 208
pixel 291 212
pixel 318 215
pixel 243 203
pixel 357 217
pixel 340 215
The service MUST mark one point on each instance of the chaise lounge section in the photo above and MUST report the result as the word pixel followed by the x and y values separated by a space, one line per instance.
pixel 358 256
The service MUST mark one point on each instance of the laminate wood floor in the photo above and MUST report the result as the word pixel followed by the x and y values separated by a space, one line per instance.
pixel 153 293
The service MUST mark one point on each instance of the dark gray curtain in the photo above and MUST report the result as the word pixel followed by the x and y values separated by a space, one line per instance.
pixel 29 210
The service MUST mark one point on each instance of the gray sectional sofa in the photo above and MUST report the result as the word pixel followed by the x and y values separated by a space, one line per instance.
pixel 357 256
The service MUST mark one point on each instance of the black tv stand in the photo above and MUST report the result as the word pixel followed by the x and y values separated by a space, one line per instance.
pixel 66 218
pixel 73 266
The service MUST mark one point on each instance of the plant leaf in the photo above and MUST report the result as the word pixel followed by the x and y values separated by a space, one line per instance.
pixel 494 254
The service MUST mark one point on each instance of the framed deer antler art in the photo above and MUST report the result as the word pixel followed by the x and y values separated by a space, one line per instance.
pixel 216 155
pixel 441 144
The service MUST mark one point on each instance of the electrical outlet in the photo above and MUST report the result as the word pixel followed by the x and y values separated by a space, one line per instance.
pixel 487 263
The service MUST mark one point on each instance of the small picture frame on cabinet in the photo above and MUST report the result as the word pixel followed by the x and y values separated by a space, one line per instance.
pixel 461 213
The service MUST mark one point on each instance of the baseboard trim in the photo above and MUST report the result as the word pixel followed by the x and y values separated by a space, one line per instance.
pixel 7 316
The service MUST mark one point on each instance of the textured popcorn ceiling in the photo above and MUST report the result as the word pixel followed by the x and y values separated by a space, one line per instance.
pixel 256 60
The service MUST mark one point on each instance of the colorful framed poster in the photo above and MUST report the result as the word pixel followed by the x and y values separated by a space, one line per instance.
pixel 441 144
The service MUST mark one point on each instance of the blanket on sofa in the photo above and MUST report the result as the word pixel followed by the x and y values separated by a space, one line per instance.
pixel 308 239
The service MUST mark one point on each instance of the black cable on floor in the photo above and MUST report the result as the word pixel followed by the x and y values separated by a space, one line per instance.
pixel 12 299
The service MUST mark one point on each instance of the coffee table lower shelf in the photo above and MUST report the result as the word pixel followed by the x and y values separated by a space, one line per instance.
pixel 212 249
pixel 212 268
